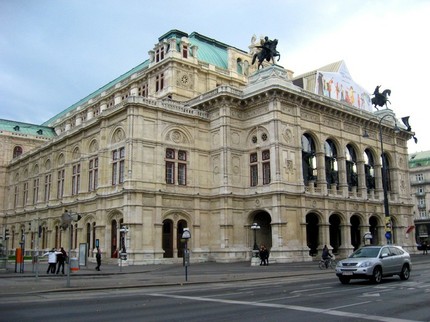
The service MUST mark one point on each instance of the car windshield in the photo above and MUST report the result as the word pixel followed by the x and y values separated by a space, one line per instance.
pixel 365 252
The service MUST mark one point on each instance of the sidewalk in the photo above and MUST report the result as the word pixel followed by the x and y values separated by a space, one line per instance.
pixel 114 276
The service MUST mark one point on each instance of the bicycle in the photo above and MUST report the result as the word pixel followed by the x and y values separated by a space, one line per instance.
pixel 326 263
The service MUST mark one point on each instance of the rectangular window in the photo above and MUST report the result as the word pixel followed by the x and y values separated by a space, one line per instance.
pixel 121 165
pixel 182 155
pixel 176 165
pixel 60 183
pixel 170 154
pixel 159 82
pixel 265 156
pixel 15 201
pixel 35 190
pixel 93 174
pixel 76 179
pixel 185 51
pixel 182 168
pixel 159 54
pixel 253 173
pixel 182 174
pixel 420 177
pixel 170 172
pixel 47 187
pixel 143 90
pixel 266 173
pixel 25 195
pixel 118 166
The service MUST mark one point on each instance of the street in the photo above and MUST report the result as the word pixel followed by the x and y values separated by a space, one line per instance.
pixel 308 298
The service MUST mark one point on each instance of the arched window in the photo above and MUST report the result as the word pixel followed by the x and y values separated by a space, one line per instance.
pixel 386 177
pixel 369 169
pixel 17 151
pixel 239 66
pixel 331 167
pixel 308 159
pixel 351 167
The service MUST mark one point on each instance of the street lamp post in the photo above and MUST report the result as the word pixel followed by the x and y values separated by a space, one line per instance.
pixel 385 174
pixel 67 219
pixel 123 247
pixel 186 235
pixel 255 227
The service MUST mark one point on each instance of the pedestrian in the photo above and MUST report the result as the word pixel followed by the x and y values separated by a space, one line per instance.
pixel 52 261
pixel 424 246
pixel 61 258
pixel 98 258
pixel 264 255
pixel 326 256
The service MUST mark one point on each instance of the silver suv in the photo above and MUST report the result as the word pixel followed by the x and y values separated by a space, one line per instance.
pixel 373 263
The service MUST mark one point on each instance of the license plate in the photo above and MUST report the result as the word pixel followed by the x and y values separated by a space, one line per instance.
pixel 347 273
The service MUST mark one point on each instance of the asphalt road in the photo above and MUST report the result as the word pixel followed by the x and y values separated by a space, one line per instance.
pixel 318 297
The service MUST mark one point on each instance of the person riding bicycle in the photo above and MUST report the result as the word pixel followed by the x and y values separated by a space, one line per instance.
pixel 326 256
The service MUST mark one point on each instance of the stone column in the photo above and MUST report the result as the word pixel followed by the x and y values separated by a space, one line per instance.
pixel 343 185
pixel 362 189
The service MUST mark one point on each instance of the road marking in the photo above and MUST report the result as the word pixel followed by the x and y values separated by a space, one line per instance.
pixel 371 294
pixel 288 307
pixel 349 305
pixel 311 289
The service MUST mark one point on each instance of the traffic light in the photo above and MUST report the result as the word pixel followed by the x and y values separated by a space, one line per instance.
pixel 6 234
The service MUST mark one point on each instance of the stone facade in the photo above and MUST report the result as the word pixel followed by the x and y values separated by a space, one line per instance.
pixel 419 167
pixel 181 142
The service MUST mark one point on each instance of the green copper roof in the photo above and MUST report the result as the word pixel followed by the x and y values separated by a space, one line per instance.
pixel 99 91
pixel 419 159
pixel 210 51
pixel 26 129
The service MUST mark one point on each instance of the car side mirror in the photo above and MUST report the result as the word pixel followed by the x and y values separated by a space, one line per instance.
pixel 383 255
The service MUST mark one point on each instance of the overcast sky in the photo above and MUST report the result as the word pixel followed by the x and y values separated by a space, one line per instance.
pixel 55 52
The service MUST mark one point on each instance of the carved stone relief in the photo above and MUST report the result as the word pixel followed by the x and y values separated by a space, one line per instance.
pixel 118 136
pixel 235 138
pixel 185 80
pixel 288 136
pixel 177 136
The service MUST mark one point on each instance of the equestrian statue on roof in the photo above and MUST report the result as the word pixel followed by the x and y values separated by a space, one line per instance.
pixel 267 51
pixel 380 99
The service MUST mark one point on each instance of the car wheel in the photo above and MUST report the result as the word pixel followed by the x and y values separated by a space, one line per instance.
pixel 405 273
pixel 344 280
pixel 377 275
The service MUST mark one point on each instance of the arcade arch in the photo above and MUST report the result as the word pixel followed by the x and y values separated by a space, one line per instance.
pixel 264 234
pixel 173 228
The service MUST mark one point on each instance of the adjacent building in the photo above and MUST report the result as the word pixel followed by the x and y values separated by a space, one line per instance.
pixel 196 137
pixel 419 167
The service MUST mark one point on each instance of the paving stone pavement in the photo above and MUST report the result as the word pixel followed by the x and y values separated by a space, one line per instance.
pixel 114 276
